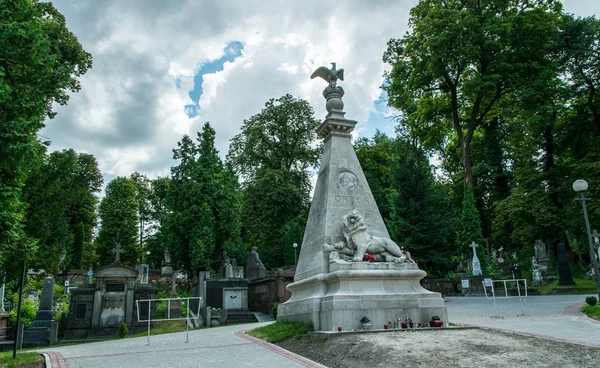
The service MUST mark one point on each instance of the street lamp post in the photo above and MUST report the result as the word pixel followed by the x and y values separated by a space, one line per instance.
pixel 581 186
pixel 295 245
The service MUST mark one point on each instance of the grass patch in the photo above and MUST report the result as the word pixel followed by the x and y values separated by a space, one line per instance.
pixel 163 327
pixel 22 359
pixel 579 284
pixel 592 312
pixel 278 331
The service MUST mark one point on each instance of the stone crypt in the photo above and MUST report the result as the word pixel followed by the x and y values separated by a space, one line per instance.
pixel 349 268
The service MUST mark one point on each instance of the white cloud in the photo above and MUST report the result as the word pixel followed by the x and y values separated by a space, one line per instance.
pixel 130 112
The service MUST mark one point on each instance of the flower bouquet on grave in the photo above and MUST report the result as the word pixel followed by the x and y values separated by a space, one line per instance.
pixel 368 257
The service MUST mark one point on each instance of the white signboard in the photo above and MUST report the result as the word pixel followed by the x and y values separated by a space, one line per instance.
pixel 465 283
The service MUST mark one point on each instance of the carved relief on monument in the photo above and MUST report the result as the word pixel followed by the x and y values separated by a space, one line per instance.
pixel 359 242
pixel 347 180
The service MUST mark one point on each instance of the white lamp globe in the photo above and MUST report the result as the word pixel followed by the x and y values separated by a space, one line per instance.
pixel 580 185
pixel 295 245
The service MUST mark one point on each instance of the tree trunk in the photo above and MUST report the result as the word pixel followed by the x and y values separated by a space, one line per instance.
pixel 467 166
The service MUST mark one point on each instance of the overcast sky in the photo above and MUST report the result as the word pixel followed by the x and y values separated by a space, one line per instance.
pixel 163 68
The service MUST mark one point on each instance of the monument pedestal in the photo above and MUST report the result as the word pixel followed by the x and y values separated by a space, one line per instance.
pixel 380 291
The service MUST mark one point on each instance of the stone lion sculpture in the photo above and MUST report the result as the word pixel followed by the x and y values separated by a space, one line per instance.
pixel 359 241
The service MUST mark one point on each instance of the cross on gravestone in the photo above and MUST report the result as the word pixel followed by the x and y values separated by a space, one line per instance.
pixel 117 250
pixel 476 263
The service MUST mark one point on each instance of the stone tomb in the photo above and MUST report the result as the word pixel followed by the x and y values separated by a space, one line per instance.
pixel 333 287
pixel 99 309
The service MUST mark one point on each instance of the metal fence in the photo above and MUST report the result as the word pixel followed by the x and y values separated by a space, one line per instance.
pixel 187 317
pixel 489 286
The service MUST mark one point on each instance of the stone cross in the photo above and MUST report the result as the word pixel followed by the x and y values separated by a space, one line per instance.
pixel 476 263
pixel 117 250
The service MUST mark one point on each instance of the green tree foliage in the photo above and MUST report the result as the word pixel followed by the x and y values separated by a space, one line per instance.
pixel 375 157
pixel 78 243
pixel 469 230
pixel 142 198
pixel 40 61
pixel 118 216
pixel 61 194
pixel 460 59
pixel 201 214
pixel 273 154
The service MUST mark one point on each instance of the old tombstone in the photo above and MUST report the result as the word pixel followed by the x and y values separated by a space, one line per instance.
pixel 43 330
pixel 167 268
pixel 348 267
pixel 254 267
pixel 564 270
pixel 541 255
pixel 226 270
pixel 536 274
pixel 238 271
pixel 117 250
pixel 476 264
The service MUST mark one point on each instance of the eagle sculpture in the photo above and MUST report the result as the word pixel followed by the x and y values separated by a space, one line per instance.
pixel 329 75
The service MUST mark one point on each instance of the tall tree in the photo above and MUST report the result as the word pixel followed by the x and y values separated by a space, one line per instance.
pixel 118 218
pixel 202 217
pixel 61 195
pixel 460 59
pixel 273 155
pixel 40 61
pixel 142 194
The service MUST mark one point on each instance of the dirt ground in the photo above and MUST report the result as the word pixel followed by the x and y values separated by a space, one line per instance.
pixel 441 349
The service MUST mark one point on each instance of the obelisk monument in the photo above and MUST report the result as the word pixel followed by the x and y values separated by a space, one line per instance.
pixel 348 267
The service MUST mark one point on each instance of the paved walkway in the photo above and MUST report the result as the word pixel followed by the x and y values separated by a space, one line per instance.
pixel 215 347
pixel 555 317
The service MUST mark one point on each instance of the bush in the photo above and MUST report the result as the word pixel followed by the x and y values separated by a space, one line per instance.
pixel 28 312
pixel 591 301
pixel 123 330
pixel 274 310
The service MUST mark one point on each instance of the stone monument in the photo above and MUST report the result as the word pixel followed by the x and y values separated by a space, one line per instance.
pixel 226 270
pixel 348 267
pixel 254 266
pixel 536 274
pixel 541 255
pixel 475 262
pixel 43 331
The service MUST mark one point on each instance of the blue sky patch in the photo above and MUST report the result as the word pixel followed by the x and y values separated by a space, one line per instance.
pixel 378 120
pixel 232 51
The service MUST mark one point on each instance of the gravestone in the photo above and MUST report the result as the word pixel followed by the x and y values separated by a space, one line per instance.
pixel 541 255
pixel 238 271
pixel 43 330
pixel 167 268
pixel 536 274
pixel 254 267
pixel 476 264
pixel 332 285
pixel 564 270
pixel 226 270
pixel 45 314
